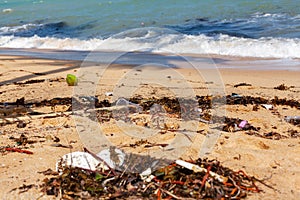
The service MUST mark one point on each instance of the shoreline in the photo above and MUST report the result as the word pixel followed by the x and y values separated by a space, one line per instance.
pixel 201 61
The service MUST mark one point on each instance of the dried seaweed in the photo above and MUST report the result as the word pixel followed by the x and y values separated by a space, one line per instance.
pixel 274 135
pixel 144 143
pixel 54 102
pixel 30 82
pixel 244 100
pixel 233 124
pixel 171 105
pixel 270 135
pixel 103 115
pixel 294 134
pixel 282 87
pixel 242 84
pixel 24 188
pixel 23 140
pixel 171 181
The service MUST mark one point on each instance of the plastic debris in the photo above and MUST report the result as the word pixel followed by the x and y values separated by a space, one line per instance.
pixel 295 120
pixel 81 160
pixel 197 168
pixel 146 174
pixel 267 106
pixel 235 95
pixel 158 114
pixel 127 108
pixel 113 157
pixel 109 94
pixel 88 98
pixel 132 107
pixel 234 124
pixel 243 124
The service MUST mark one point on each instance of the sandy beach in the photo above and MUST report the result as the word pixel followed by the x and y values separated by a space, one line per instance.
pixel 272 159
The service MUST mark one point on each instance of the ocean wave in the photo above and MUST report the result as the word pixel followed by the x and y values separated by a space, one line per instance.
pixel 257 25
pixel 166 41
pixel 9 30
pixel 54 29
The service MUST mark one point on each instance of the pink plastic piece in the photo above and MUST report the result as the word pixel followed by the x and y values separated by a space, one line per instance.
pixel 243 124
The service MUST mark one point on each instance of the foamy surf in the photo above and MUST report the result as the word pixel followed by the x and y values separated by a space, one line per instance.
pixel 166 43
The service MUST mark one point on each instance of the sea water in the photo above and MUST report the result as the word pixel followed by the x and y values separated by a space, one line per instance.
pixel 252 28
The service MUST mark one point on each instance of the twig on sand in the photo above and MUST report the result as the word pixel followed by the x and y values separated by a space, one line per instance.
pixel 13 149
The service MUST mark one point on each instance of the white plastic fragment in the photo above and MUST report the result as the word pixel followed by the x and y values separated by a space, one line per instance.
pixel 197 169
pixel 157 113
pixel 236 128
pixel 132 107
pixel 145 174
pixel 109 94
pixel 113 157
pixel 267 106
pixel 187 165
pixel 149 179
pixel 234 95
pixel 292 118
pixel 82 160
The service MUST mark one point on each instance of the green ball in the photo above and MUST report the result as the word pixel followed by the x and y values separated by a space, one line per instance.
pixel 71 80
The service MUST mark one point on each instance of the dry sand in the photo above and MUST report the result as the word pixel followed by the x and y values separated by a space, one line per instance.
pixel 276 161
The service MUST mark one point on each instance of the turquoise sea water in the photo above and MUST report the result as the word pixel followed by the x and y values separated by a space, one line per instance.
pixel 239 28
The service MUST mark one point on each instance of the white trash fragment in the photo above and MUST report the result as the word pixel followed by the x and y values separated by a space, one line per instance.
pixel 82 160
pixel 267 106
pixel 197 169
pixel 87 99
pixel 236 128
pixel 131 107
pixel 150 178
pixel 145 174
pixel 292 119
pixel 113 157
pixel 235 95
pixel 126 108
pixel 109 94
pixel 205 121
pixel 158 114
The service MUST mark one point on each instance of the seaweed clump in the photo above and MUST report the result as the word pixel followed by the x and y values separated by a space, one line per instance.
pixel 172 182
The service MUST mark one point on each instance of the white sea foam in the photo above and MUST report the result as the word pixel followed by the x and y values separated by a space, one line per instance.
pixel 269 15
pixel 7 10
pixel 176 43
pixel 15 29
